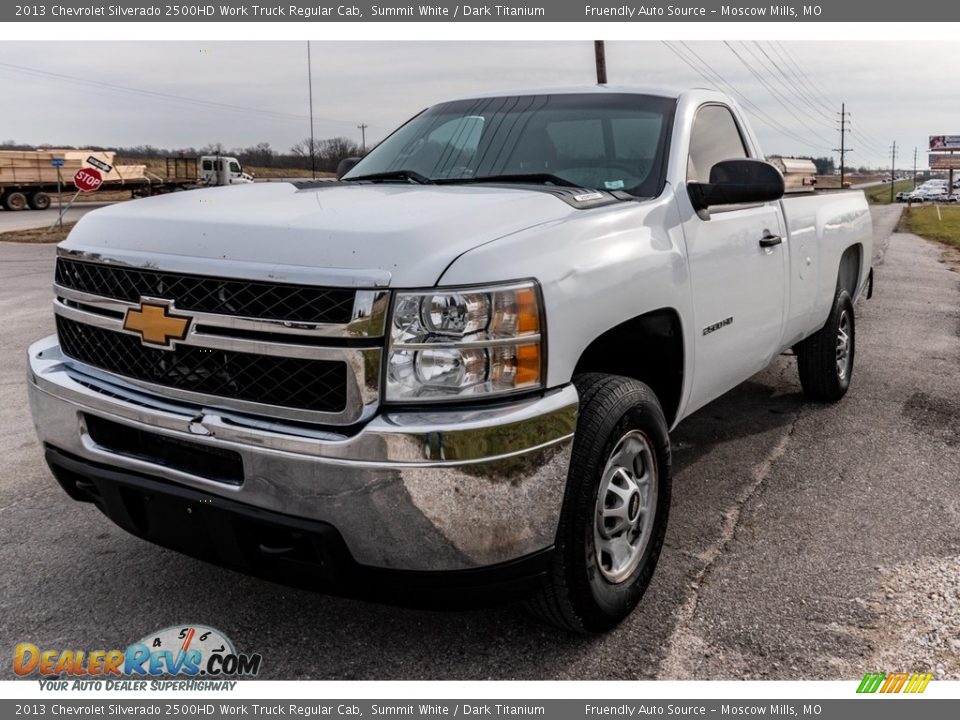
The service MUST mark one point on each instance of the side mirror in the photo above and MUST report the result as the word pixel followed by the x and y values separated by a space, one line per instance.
pixel 346 165
pixel 737 182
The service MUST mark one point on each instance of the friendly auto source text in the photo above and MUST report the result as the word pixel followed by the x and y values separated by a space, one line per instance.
pixel 643 11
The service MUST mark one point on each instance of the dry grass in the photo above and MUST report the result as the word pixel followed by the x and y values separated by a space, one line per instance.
pixel 260 172
pixel 881 193
pixel 97 196
pixel 832 182
pixel 158 166
pixel 934 223
pixel 38 235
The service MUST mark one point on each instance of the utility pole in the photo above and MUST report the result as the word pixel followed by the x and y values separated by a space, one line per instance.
pixel 362 127
pixel 843 149
pixel 313 153
pixel 914 168
pixel 600 55
pixel 893 166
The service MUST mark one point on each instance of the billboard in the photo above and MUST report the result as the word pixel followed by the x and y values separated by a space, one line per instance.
pixel 945 162
pixel 945 142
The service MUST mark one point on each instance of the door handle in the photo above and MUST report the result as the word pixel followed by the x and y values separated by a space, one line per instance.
pixel 769 240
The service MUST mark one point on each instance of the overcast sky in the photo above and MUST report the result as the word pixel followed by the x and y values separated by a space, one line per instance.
pixel 242 93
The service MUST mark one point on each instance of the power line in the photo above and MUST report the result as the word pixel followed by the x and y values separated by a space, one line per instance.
pixel 817 90
pixel 801 93
pixel 814 92
pixel 804 78
pixel 154 94
pixel 719 82
pixel 776 96
pixel 775 87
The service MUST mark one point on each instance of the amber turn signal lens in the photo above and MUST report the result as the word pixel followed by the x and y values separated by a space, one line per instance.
pixel 528 365
pixel 528 320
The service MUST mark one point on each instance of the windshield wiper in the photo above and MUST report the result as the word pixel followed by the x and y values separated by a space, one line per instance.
pixel 533 178
pixel 395 175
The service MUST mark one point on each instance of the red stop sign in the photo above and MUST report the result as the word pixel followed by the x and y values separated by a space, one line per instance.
pixel 88 179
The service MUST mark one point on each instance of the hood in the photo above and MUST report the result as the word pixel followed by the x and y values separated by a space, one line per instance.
pixel 363 234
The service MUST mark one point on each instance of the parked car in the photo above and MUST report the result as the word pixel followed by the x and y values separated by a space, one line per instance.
pixel 456 367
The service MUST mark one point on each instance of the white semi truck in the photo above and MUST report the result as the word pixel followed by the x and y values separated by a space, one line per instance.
pixel 455 368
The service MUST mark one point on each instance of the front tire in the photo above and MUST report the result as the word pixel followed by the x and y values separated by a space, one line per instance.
pixel 615 509
pixel 825 359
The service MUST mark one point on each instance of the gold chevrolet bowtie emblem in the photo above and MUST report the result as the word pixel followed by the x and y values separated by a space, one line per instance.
pixel 155 323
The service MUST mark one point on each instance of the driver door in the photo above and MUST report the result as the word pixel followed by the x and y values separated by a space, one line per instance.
pixel 739 287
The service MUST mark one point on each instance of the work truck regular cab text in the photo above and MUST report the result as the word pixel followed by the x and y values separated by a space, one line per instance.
pixel 453 371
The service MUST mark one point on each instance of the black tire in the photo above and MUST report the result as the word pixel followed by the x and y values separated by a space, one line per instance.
pixel 39 200
pixel 577 595
pixel 818 357
pixel 15 200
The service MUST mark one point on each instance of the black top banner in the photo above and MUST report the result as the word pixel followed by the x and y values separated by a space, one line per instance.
pixel 447 11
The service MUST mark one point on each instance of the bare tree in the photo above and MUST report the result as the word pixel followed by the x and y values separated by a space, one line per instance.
pixel 327 153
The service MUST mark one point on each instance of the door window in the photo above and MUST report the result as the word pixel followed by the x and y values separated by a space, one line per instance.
pixel 715 137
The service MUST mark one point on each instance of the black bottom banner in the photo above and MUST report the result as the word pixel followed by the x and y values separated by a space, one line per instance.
pixel 868 708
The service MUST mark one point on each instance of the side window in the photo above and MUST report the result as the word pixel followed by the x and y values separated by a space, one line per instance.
pixel 714 137
pixel 208 165
pixel 234 167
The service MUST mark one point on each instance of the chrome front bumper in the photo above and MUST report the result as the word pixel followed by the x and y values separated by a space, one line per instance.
pixel 422 491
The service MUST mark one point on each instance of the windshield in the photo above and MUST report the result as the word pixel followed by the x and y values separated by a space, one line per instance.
pixel 593 140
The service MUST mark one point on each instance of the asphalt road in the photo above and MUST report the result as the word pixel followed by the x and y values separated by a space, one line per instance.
pixel 805 541
pixel 26 219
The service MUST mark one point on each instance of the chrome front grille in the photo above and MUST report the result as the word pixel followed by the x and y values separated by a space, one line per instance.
pixel 219 296
pixel 303 383
pixel 293 363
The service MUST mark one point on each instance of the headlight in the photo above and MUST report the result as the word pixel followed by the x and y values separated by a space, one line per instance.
pixel 473 342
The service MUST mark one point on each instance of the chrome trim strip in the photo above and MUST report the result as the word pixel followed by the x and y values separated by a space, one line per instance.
pixel 468 344
pixel 368 318
pixel 405 439
pixel 361 403
pixel 229 268
pixel 201 339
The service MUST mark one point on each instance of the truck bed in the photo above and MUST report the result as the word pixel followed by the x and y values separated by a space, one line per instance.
pixel 819 226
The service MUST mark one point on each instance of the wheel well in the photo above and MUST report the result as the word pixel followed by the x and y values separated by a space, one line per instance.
pixel 648 348
pixel 848 277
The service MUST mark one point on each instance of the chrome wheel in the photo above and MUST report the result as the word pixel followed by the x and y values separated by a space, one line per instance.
pixel 626 505
pixel 843 346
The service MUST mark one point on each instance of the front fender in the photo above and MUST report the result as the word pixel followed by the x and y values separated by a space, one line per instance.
pixel 598 268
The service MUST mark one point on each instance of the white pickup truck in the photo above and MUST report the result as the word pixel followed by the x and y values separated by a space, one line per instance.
pixel 455 368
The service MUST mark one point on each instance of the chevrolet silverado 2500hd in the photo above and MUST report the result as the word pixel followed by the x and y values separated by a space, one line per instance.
pixel 456 366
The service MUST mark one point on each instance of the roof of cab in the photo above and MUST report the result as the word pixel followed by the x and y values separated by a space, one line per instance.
pixel 581 89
